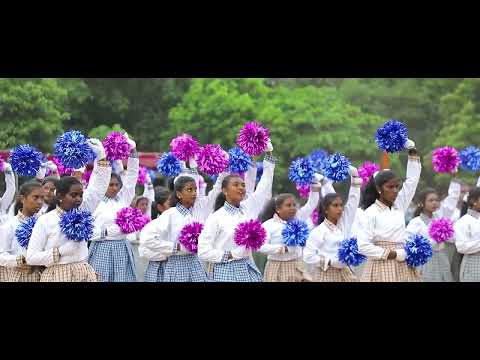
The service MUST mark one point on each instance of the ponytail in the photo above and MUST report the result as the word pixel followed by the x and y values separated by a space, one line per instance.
pixel 371 194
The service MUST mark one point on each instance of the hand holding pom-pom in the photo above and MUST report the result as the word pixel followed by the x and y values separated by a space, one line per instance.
pixel 418 250
pixel 117 146
pixel 97 147
pixel 77 225
pixel 253 139
pixel 74 150
pixel 26 160
pixel 189 236
pixel 392 137
pixel 131 220
pixel 251 235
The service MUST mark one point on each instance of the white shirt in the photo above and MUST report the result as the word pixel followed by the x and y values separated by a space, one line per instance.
pixel 324 241
pixel 7 197
pixel 385 224
pixel 467 233
pixel 216 238
pixel 10 249
pixel 358 222
pixel 47 236
pixel 326 189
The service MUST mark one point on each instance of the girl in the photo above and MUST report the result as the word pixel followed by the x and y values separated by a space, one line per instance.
pixel 322 246
pixel 111 254
pixel 12 254
pixel 284 262
pixel 66 260
pixel 48 184
pixel 428 209
pixel 467 238
pixel 225 261
pixel 162 201
pixel 383 234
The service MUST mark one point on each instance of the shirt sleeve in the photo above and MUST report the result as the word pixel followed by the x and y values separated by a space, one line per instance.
pixel 206 250
pixel 154 239
pixel 405 197
pixel 9 194
pixel 254 203
pixel 127 193
pixel 449 204
pixel 311 254
pixel 149 193
pixel 365 239
pixel 306 211
pixel 205 204
pixel 348 216
pixel 464 241
pixel 268 248
pixel 36 253
pixel 251 179
pixel 97 187
pixel 7 236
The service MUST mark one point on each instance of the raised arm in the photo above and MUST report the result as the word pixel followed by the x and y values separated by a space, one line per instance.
pixel 9 194
pixel 414 169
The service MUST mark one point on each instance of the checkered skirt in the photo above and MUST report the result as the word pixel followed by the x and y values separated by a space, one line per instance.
pixel 155 271
pixel 243 270
pixel 470 269
pixel 25 273
pixel 4 273
pixel 333 275
pixel 76 272
pixel 284 271
pixel 389 270
pixel 187 268
pixel 438 269
pixel 113 260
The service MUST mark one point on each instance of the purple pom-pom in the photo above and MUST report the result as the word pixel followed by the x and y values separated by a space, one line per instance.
pixel 26 160
pixel 250 234
pixel 2 165
pixel 367 170
pixel 314 216
pixel 470 159
pixel 116 146
pixel 72 150
pixel 86 177
pixel 441 230
pixel 131 220
pixel 184 147
pixel 303 191
pixel 189 236
pixel 445 160
pixel 62 170
pixel 301 171
pixel 142 175
pixel 336 167
pixel 392 136
pixel 253 138
pixel 212 160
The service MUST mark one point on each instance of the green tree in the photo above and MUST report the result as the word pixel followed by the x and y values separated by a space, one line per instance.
pixel 101 132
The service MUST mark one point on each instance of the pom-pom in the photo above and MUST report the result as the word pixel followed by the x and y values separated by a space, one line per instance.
pixel 77 225
pixel 445 160
pixel 86 177
pixel 212 160
pixel 116 146
pixel 295 233
pixel 72 150
pixel 336 167
pixel 62 170
pixel 441 230
pixel 367 170
pixel 259 170
pixel 392 136
pixel 131 220
pixel 24 231
pixel 26 160
pixel 301 171
pixel 184 147
pixel 419 250
pixel 303 191
pixel 318 157
pixel 169 165
pixel 189 236
pixel 152 173
pixel 348 253
pixel 142 175
pixel 2 165
pixel 250 234
pixel 470 159
pixel 239 162
pixel 253 138
pixel 314 217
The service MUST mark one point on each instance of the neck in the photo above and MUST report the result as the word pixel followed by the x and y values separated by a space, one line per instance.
pixel 427 213
pixel 334 222
pixel 186 206
pixel 385 202
pixel 234 203
pixel 27 213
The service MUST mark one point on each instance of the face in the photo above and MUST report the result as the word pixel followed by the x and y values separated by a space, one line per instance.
pixel 49 192
pixel 235 191
pixel 188 195
pixel 334 210
pixel 476 205
pixel 288 209
pixel 113 188
pixel 32 202
pixel 143 205
pixel 432 203
pixel 163 207
pixel 389 191
pixel 73 199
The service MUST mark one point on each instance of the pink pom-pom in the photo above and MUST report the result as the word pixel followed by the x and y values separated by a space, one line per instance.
pixel 189 236
pixel 253 138
pixel 441 230
pixel 445 160
pixel 131 220
pixel 142 175
pixel 303 191
pixel 184 147
pixel 366 171
pixel 212 160
pixel 314 217
pixel 86 177
pixel 2 165
pixel 250 234
pixel 116 146
pixel 62 170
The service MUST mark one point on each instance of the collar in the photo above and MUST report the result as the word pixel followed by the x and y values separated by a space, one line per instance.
pixel 426 219
pixel 183 210
pixel 331 226
pixel 473 213
pixel 278 219
pixel 21 217
pixel 232 209
pixel 381 206
pixel 106 199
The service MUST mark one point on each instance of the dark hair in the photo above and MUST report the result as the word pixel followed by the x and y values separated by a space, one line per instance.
pixel 25 190
pixel 271 207
pixel 63 188
pixel 371 194
pixel 116 176
pixel 138 199
pixel 422 197
pixel 179 185
pixel 473 196
pixel 161 197
pixel 326 202
pixel 49 179
pixel 221 198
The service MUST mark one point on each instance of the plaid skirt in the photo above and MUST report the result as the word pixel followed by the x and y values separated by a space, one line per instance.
pixel 455 259
pixel 243 270
pixel 25 273
pixel 155 271
pixel 113 260
pixel 333 275
pixel 76 272
pixel 438 269
pixel 4 273
pixel 389 270
pixel 184 269
pixel 140 263
pixel 284 271
pixel 470 270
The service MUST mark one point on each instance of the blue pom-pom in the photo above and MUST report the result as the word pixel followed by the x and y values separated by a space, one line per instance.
pixel 26 160
pixel 72 150
pixel 419 250
pixel 77 225
pixel 152 173
pixel 335 167
pixel 301 171
pixel 348 253
pixel 318 157
pixel 239 161
pixel 470 159
pixel 23 231
pixel 259 170
pixel 169 165
pixel 392 136
pixel 295 233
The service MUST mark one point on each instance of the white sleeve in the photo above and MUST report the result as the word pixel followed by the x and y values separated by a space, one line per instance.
pixel 327 188
pixel 149 193
pixel 365 241
pixel 6 238
pixel 206 204
pixel 449 204
pixel 348 216
pixel 254 203
pixel 306 211
pixel 268 248
pixel 464 241
pixel 478 182
pixel 36 253
pixel 206 251
pixel 405 197
pixel 127 193
pixel 251 179
pixel 154 239
pixel 97 187
pixel 9 194
pixel 311 254
pixel 414 226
